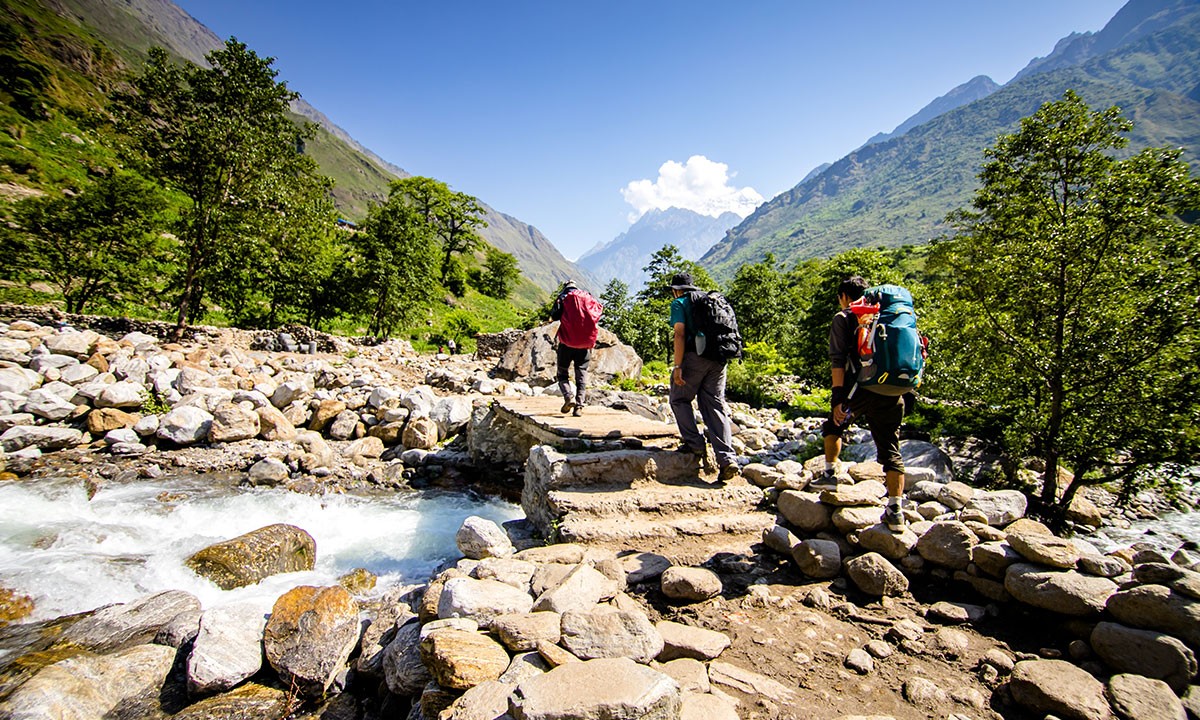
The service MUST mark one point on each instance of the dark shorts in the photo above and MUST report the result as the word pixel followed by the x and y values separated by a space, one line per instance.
pixel 883 415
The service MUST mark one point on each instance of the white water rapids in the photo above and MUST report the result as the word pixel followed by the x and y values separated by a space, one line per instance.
pixel 72 554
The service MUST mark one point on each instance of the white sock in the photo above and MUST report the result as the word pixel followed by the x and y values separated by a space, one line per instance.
pixel 830 465
pixel 895 501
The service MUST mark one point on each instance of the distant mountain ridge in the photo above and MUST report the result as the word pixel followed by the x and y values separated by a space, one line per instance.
pixel 624 256
pixel 361 176
pixel 974 89
pixel 1146 60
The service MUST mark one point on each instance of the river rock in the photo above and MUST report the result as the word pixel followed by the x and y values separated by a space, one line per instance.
pixel 818 558
pixel 324 414
pixel 855 519
pixel 232 422
pixel 42 437
pixel 227 649
pixel 420 432
pixel 75 343
pixel 486 701
pixel 1001 506
pixel 994 558
pixel 521 632
pixel 268 472
pixel 1135 697
pixel 690 584
pixel 580 587
pixel 685 641
pixel 103 420
pixel 345 426
pixel 451 414
pixel 134 623
pixel 260 553
pixel 185 425
pixel 598 690
pixel 874 575
pixel 805 511
pixel 91 686
pixel 310 635
pixel 1062 591
pixel 403 670
pixel 273 424
pixel 1059 688
pixel 479 538
pixel 18 380
pixel 45 403
pixel 1157 607
pixel 948 544
pixel 1045 549
pixel 481 600
pixel 643 566
pixel 1145 652
pixel 607 632
pixel 250 700
pixel 867 492
pixel 889 543
pixel 458 659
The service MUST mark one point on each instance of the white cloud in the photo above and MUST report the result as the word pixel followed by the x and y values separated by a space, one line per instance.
pixel 699 185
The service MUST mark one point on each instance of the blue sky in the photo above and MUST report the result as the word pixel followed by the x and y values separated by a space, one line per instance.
pixel 576 116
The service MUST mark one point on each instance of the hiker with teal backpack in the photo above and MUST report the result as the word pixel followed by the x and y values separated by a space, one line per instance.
pixel 877 358
pixel 704 338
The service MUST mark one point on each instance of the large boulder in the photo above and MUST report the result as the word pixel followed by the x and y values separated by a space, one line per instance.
pixel 134 623
pixel 248 558
pixel 1145 652
pixel 310 635
pixel 227 649
pixel 460 659
pixel 1141 698
pixel 42 437
pixel 606 632
pixel 481 600
pixel 1157 607
pixel 1056 687
pixel 91 686
pixel 533 357
pixel 1062 591
pixel 874 575
pixel 948 544
pixel 185 425
pixel 597 690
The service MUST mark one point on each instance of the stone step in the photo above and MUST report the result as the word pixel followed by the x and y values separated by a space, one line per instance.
pixel 656 501
pixel 617 530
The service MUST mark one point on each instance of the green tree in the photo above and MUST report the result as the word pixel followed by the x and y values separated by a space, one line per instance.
pixel 665 264
pixel 616 302
pixel 758 299
pixel 221 136
pixel 455 217
pixel 1071 288
pixel 102 245
pixel 500 273
pixel 395 258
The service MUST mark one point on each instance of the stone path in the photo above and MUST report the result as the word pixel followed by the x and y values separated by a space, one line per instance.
pixel 612 478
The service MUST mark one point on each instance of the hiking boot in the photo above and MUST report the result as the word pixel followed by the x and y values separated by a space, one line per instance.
pixel 685 449
pixel 825 479
pixel 893 517
pixel 729 472
pixel 568 406
pixel 578 410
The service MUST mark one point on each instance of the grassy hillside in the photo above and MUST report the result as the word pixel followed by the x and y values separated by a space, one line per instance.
pixel 899 192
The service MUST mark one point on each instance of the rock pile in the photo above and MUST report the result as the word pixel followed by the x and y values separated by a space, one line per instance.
pixel 1138 609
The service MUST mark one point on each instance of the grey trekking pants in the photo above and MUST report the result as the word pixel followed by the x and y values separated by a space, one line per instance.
pixel 704 382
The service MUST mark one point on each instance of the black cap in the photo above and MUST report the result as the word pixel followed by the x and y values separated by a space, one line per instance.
pixel 682 281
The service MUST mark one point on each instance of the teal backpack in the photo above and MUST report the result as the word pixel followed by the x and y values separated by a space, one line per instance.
pixel 890 349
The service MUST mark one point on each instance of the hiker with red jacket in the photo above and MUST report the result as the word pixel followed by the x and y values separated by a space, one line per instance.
pixel 578 314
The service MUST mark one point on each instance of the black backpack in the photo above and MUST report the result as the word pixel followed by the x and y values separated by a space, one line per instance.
pixel 717 336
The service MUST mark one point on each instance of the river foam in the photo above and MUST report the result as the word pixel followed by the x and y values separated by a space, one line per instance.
pixel 72 554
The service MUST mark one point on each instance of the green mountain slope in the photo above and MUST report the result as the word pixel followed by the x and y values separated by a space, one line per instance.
pixel 86 46
pixel 898 192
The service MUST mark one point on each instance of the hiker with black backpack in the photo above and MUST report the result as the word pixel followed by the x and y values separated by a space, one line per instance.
pixel 876 357
pixel 578 316
pixel 700 351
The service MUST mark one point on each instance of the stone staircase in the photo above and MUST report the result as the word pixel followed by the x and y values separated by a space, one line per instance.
pixel 648 499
